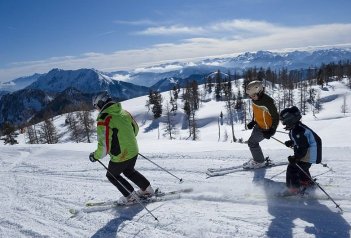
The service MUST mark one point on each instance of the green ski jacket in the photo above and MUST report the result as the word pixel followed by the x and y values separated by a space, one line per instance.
pixel 116 134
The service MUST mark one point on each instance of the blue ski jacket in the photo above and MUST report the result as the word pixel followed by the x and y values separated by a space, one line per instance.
pixel 307 144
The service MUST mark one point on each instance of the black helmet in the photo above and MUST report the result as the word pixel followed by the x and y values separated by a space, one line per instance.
pixel 101 99
pixel 290 116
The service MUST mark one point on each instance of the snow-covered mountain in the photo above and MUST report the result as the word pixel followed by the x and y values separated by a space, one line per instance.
pixel 291 60
pixel 149 76
pixel 40 183
pixel 19 83
pixel 167 84
pixel 20 106
pixel 33 101
pixel 125 85
pixel 152 75
pixel 86 81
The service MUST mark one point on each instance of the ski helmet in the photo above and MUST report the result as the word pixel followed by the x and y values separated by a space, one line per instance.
pixel 254 88
pixel 101 99
pixel 290 116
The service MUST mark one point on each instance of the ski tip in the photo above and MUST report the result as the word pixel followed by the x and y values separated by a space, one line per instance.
pixel 188 190
pixel 73 212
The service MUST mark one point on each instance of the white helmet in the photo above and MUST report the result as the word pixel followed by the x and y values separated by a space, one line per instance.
pixel 254 88
pixel 101 99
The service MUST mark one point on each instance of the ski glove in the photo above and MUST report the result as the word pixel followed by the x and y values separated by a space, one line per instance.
pixel 292 159
pixel 250 125
pixel 91 157
pixel 289 143
pixel 268 133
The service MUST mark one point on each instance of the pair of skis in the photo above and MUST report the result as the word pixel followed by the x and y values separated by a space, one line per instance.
pixel 107 205
pixel 213 172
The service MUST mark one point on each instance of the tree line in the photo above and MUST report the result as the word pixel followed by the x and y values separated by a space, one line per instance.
pixel 221 86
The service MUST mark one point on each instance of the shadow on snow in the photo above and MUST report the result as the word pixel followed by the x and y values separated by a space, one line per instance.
pixel 112 227
pixel 322 222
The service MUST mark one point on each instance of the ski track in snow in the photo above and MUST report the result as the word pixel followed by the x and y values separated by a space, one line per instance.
pixel 39 185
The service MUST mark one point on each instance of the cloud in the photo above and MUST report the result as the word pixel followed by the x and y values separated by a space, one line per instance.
pixel 245 35
pixel 158 69
pixel 172 30
pixel 245 27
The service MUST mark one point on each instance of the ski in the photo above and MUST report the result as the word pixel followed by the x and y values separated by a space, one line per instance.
pixel 212 170
pixel 102 206
pixel 224 172
pixel 157 194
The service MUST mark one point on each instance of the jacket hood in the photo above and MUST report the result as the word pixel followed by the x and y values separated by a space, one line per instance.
pixel 112 108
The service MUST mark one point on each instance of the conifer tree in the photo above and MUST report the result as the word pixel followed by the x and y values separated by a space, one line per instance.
pixel 157 104
pixel 218 87
pixel 9 132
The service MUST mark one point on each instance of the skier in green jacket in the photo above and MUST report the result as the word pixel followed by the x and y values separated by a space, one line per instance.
pixel 116 135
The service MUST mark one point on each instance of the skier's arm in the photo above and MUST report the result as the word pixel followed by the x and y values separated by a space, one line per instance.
pixel 301 147
pixel 272 109
pixel 103 139
pixel 135 126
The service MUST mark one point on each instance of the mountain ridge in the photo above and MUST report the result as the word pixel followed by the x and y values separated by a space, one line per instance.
pixel 91 81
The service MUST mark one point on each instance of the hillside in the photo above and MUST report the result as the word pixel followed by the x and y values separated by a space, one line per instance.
pixel 40 183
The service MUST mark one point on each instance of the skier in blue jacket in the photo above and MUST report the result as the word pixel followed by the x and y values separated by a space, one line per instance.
pixel 307 147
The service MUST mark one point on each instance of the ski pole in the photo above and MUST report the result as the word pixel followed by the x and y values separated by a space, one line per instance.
pixel 134 195
pixel 337 205
pixel 278 140
pixel 324 165
pixel 180 179
pixel 283 132
pixel 277 174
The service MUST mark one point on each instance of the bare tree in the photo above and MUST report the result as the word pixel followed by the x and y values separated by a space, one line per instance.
pixel 191 104
pixel 32 135
pixel 317 103
pixel 74 127
pixel 170 129
pixel 344 108
pixel 230 105
pixel 47 132
pixel 87 123
pixel 303 97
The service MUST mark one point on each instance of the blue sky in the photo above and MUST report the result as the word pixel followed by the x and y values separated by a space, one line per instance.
pixel 109 35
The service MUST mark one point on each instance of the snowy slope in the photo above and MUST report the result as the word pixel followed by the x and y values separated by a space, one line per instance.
pixel 40 183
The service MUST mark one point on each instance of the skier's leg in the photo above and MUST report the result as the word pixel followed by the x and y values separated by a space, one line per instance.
pixel 304 179
pixel 116 169
pixel 253 143
pixel 135 176
pixel 292 176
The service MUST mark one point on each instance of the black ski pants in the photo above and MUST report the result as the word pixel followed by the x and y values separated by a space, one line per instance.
pixel 294 175
pixel 127 168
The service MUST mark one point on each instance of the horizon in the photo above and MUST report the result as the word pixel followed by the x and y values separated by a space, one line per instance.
pixel 114 35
